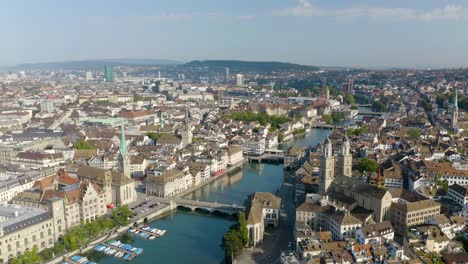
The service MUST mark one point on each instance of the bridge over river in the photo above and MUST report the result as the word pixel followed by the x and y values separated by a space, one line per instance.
pixel 193 205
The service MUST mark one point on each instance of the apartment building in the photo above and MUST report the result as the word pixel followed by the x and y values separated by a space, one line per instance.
pixel 405 214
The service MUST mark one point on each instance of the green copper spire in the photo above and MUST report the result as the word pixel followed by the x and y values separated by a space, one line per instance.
pixel 123 142
pixel 455 103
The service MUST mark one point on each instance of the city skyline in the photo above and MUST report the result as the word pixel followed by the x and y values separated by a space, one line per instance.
pixel 368 34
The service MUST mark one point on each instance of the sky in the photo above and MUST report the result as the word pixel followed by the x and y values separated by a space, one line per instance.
pixel 348 33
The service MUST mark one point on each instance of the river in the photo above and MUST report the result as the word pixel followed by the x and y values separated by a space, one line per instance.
pixel 195 237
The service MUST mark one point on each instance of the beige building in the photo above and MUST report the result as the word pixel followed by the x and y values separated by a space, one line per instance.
pixel 169 183
pixel 405 214
pixel 343 225
pixel 263 210
pixel 349 193
pixel 22 228
pixel 81 201
pixel 122 188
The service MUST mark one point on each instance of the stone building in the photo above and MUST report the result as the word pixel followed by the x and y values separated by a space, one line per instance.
pixel 22 228
pixel 169 183
pixel 122 188
pixel 262 210
pixel 81 201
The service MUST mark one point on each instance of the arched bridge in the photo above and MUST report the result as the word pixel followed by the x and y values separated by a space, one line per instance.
pixel 193 205
pixel 211 207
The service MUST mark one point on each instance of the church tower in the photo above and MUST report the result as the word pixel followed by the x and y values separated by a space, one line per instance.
pixel 124 160
pixel 345 159
pixel 455 111
pixel 161 119
pixel 327 167
pixel 186 132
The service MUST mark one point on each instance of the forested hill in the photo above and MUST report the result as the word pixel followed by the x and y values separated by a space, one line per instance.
pixel 250 66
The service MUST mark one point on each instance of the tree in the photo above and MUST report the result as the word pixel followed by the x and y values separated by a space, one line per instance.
pixel 328 119
pixel 121 215
pixel 280 138
pixel 443 184
pixel 367 164
pixel 47 254
pixel 413 133
pixel 378 106
pixel 232 245
pixel 81 144
pixel 153 136
pixel 243 230
pixel 59 249
pixel 349 99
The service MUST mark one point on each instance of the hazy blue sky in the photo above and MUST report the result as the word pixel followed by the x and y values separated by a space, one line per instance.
pixel 372 33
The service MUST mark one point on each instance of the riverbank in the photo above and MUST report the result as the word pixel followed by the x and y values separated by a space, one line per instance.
pixel 228 170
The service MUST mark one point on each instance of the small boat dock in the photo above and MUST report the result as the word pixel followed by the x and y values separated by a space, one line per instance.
pixel 146 232
pixel 77 260
pixel 118 250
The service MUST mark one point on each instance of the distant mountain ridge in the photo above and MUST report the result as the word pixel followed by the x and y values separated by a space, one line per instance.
pixel 89 64
pixel 249 66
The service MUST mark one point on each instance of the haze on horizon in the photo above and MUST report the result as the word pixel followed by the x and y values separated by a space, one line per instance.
pixel 350 33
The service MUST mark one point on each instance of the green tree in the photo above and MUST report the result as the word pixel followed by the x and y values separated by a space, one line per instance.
pixel 280 138
pixel 153 136
pixel 59 249
pixel 232 245
pixel 413 133
pixel 243 230
pixel 81 144
pixel 378 106
pixel 122 214
pixel 349 99
pixel 444 184
pixel 47 254
pixel 328 119
pixel 367 164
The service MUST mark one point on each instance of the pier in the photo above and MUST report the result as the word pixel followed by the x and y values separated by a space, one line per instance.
pixel 131 254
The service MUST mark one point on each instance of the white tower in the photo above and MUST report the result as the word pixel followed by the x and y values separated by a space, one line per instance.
pixel 327 167
pixel 345 159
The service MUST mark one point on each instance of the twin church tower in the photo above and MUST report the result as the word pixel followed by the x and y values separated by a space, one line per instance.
pixel 327 164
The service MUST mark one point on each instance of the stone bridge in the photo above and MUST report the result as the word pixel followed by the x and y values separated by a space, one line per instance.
pixel 209 207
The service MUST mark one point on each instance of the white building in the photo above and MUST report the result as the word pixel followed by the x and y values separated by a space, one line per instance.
pixel 458 194
pixel 263 211
pixel 344 225
pixel 47 106
pixel 375 234
pixel 240 80
pixel 254 146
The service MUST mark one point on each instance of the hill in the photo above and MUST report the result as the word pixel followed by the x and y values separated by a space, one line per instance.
pixel 249 66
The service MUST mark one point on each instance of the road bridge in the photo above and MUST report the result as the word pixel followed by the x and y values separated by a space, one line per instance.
pixel 194 205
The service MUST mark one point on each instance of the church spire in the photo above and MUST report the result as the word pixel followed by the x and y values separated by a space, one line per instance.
pixel 161 119
pixel 455 101
pixel 123 142
pixel 455 111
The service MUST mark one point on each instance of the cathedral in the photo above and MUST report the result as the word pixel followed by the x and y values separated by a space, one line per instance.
pixel 348 193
